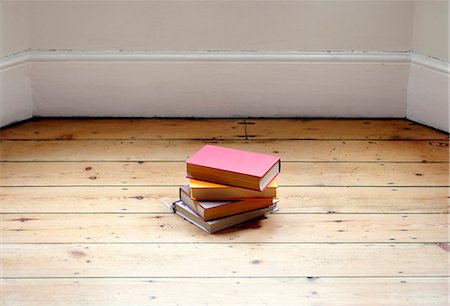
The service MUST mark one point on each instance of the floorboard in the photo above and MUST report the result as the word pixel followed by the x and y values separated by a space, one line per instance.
pixel 127 129
pixel 276 228
pixel 299 200
pixel 173 173
pixel 238 291
pixel 363 214
pixel 320 129
pixel 180 150
pixel 390 129
pixel 224 260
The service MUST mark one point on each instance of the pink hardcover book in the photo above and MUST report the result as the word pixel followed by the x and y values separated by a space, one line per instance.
pixel 233 167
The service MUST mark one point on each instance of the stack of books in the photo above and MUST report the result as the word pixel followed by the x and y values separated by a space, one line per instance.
pixel 227 187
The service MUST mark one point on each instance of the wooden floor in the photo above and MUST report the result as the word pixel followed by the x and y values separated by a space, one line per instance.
pixel 363 215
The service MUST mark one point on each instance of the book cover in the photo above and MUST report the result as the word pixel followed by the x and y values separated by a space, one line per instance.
pixel 233 167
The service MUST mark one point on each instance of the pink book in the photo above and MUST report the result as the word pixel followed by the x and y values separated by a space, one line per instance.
pixel 233 167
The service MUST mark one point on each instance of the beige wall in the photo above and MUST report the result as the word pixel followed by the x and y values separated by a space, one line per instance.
pixel 14 27
pixel 226 25
pixel 63 82
pixel 222 25
pixel 431 28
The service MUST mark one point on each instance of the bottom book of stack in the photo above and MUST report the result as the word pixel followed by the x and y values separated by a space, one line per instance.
pixel 216 225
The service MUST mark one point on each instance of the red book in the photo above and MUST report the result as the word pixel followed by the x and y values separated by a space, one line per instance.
pixel 233 167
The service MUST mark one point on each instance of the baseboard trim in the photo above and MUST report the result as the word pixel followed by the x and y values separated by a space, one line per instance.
pixel 351 84
pixel 207 56
pixel 428 95
pixel 430 63
pixel 17 59
pixel 16 94
pixel 223 56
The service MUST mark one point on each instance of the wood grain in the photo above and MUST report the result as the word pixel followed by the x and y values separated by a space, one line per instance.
pixel 172 173
pixel 180 150
pixel 270 291
pixel 224 260
pixel 69 129
pixel 170 228
pixel 363 215
pixel 390 129
pixel 292 199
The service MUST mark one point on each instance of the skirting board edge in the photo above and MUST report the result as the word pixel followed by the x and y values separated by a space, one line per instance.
pixel 220 84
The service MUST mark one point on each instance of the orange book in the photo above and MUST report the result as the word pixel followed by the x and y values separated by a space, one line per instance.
pixel 207 191
pixel 210 210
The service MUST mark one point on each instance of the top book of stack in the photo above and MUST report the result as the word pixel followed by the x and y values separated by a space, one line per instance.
pixel 233 167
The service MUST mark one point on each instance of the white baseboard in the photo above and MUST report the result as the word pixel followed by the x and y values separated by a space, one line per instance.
pixel 428 92
pixel 15 93
pixel 222 84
